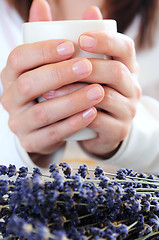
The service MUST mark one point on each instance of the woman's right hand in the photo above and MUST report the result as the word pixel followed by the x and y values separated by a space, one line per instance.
pixel 35 69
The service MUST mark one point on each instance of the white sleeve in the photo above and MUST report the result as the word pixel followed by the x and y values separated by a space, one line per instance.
pixel 140 149
pixel 11 152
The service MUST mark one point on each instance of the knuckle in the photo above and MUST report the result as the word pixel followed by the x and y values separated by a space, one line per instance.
pixel 2 76
pixel 13 125
pixel 23 85
pixel 130 45
pixel 40 115
pixel 119 72
pixel 96 124
pixel 137 87
pixel 54 135
pixel 137 68
pixel 124 131
pixel 27 145
pixel 109 40
pixel 45 51
pixel 73 126
pixel 109 95
pixel 57 74
pixel 132 111
pixel 73 103
pixel 5 102
pixel 14 59
pixel 138 91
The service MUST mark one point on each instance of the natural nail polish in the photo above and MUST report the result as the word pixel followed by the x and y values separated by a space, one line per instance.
pixel 65 48
pixel 95 93
pixel 87 41
pixel 88 113
pixel 82 67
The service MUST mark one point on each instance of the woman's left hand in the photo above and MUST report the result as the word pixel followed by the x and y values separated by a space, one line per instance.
pixel 118 76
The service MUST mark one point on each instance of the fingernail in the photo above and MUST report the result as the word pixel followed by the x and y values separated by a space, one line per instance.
pixel 89 113
pixel 49 95
pixel 87 41
pixel 65 48
pixel 82 67
pixel 95 93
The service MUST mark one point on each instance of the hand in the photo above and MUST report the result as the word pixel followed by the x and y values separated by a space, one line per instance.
pixel 118 76
pixel 33 69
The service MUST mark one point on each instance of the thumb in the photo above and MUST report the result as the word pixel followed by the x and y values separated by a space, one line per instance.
pixel 92 13
pixel 40 11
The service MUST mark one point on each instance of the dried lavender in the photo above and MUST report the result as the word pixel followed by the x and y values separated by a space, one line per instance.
pixel 67 205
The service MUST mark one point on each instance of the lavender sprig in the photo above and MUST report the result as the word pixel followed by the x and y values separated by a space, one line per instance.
pixel 64 205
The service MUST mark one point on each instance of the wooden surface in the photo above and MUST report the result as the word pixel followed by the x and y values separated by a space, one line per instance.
pixel 75 157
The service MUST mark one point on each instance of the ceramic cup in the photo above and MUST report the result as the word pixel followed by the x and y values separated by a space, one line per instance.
pixel 71 30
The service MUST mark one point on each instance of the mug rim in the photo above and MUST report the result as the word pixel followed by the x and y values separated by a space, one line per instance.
pixel 72 21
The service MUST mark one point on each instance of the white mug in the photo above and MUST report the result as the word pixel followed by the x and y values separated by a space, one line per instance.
pixel 70 30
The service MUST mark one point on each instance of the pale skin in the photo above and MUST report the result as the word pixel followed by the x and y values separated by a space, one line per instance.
pixel 36 69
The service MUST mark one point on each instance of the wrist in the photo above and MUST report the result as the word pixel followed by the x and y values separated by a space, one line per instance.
pixel 109 154
pixel 102 154
pixel 42 161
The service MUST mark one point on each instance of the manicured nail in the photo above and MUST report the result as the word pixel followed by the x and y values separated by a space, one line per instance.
pixel 89 113
pixel 49 95
pixel 87 41
pixel 65 48
pixel 95 93
pixel 82 67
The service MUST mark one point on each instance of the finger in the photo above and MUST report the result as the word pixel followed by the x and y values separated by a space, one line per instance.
pixel 115 74
pixel 92 13
pixel 112 73
pixel 30 56
pixel 116 45
pixel 117 105
pixel 114 132
pixel 48 112
pixel 113 102
pixel 51 135
pixel 40 11
pixel 34 83
pixel 65 90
